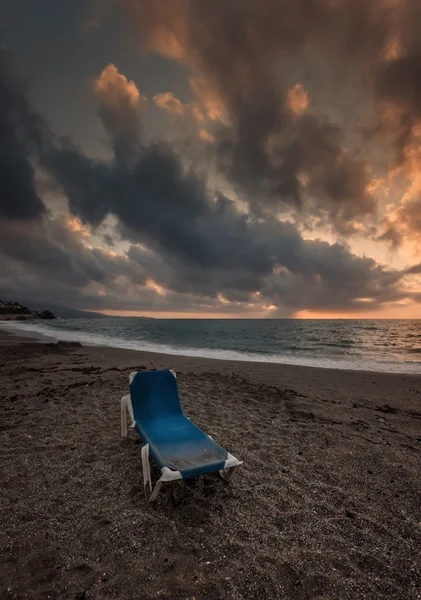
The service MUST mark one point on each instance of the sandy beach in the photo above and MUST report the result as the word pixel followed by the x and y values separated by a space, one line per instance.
pixel 327 505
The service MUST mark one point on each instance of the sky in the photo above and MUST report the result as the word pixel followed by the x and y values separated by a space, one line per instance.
pixel 186 158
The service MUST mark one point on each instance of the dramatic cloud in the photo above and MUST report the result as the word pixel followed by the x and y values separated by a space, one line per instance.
pixel 120 109
pixel 280 158
pixel 416 269
pixel 59 248
pixel 168 102
pixel 224 229
pixel 399 79
pixel 404 225
pixel 19 131
pixel 298 99
pixel 202 245
pixel 53 260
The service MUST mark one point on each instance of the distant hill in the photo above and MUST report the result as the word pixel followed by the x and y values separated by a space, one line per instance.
pixel 13 311
pixel 62 312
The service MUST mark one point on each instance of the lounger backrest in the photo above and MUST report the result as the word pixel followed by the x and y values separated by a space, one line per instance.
pixel 154 395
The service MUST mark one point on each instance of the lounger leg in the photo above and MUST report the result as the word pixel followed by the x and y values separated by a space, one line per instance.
pixel 126 407
pixel 156 490
pixel 147 479
pixel 229 473
pixel 123 418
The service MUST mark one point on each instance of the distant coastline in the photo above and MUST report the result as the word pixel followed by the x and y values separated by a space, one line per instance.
pixel 13 311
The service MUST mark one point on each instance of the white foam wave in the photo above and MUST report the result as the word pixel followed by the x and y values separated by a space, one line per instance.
pixel 91 339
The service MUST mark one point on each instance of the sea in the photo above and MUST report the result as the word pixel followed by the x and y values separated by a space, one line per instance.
pixel 392 346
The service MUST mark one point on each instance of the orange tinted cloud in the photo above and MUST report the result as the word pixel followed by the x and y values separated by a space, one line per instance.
pixel 120 108
pixel 168 102
pixel 393 50
pixel 166 42
pixel 206 136
pixel 75 225
pixel 113 88
pixel 208 96
pixel 298 99
pixel 158 289
pixel 165 24
pixel 402 219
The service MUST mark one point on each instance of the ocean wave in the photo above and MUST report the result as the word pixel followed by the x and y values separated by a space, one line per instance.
pixel 91 339
pixel 340 344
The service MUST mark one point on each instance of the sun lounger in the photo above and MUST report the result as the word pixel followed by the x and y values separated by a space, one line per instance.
pixel 178 447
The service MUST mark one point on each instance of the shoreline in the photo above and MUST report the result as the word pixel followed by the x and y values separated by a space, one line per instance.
pixel 329 385
pixel 271 369
pixel 326 504
pixel 17 331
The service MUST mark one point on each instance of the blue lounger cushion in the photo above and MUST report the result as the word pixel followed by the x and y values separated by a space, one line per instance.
pixel 174 441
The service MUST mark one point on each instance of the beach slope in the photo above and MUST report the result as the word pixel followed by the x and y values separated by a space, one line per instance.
pixel 326 505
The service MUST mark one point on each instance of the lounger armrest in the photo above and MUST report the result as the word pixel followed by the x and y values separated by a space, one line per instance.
pixel 232 462
pixel 126 407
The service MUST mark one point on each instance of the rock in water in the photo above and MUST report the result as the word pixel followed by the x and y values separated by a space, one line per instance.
pixel 46 314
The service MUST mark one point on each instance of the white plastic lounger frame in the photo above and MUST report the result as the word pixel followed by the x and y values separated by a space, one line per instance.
pixel 167 475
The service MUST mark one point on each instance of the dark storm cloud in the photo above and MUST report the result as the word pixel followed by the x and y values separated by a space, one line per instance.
pixel 202 245
pixel 198 247
pixel 157 203
pixel 400 82
pixel 414 270
pixel 308 171
pixel 120 110
pixel 82 179
pixel 48 259
pixel 108 239
pixel 49 247
pixel 20 129
pixel 302 146
pixel 305 274
pixel 410 214
pixel 237 52
pixel 399 79
pixel 242 54
pixel 406 224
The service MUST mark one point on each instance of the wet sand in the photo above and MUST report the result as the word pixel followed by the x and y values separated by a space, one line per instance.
pixel 327 505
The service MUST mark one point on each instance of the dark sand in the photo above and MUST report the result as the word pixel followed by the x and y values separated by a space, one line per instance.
pixel 327 505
